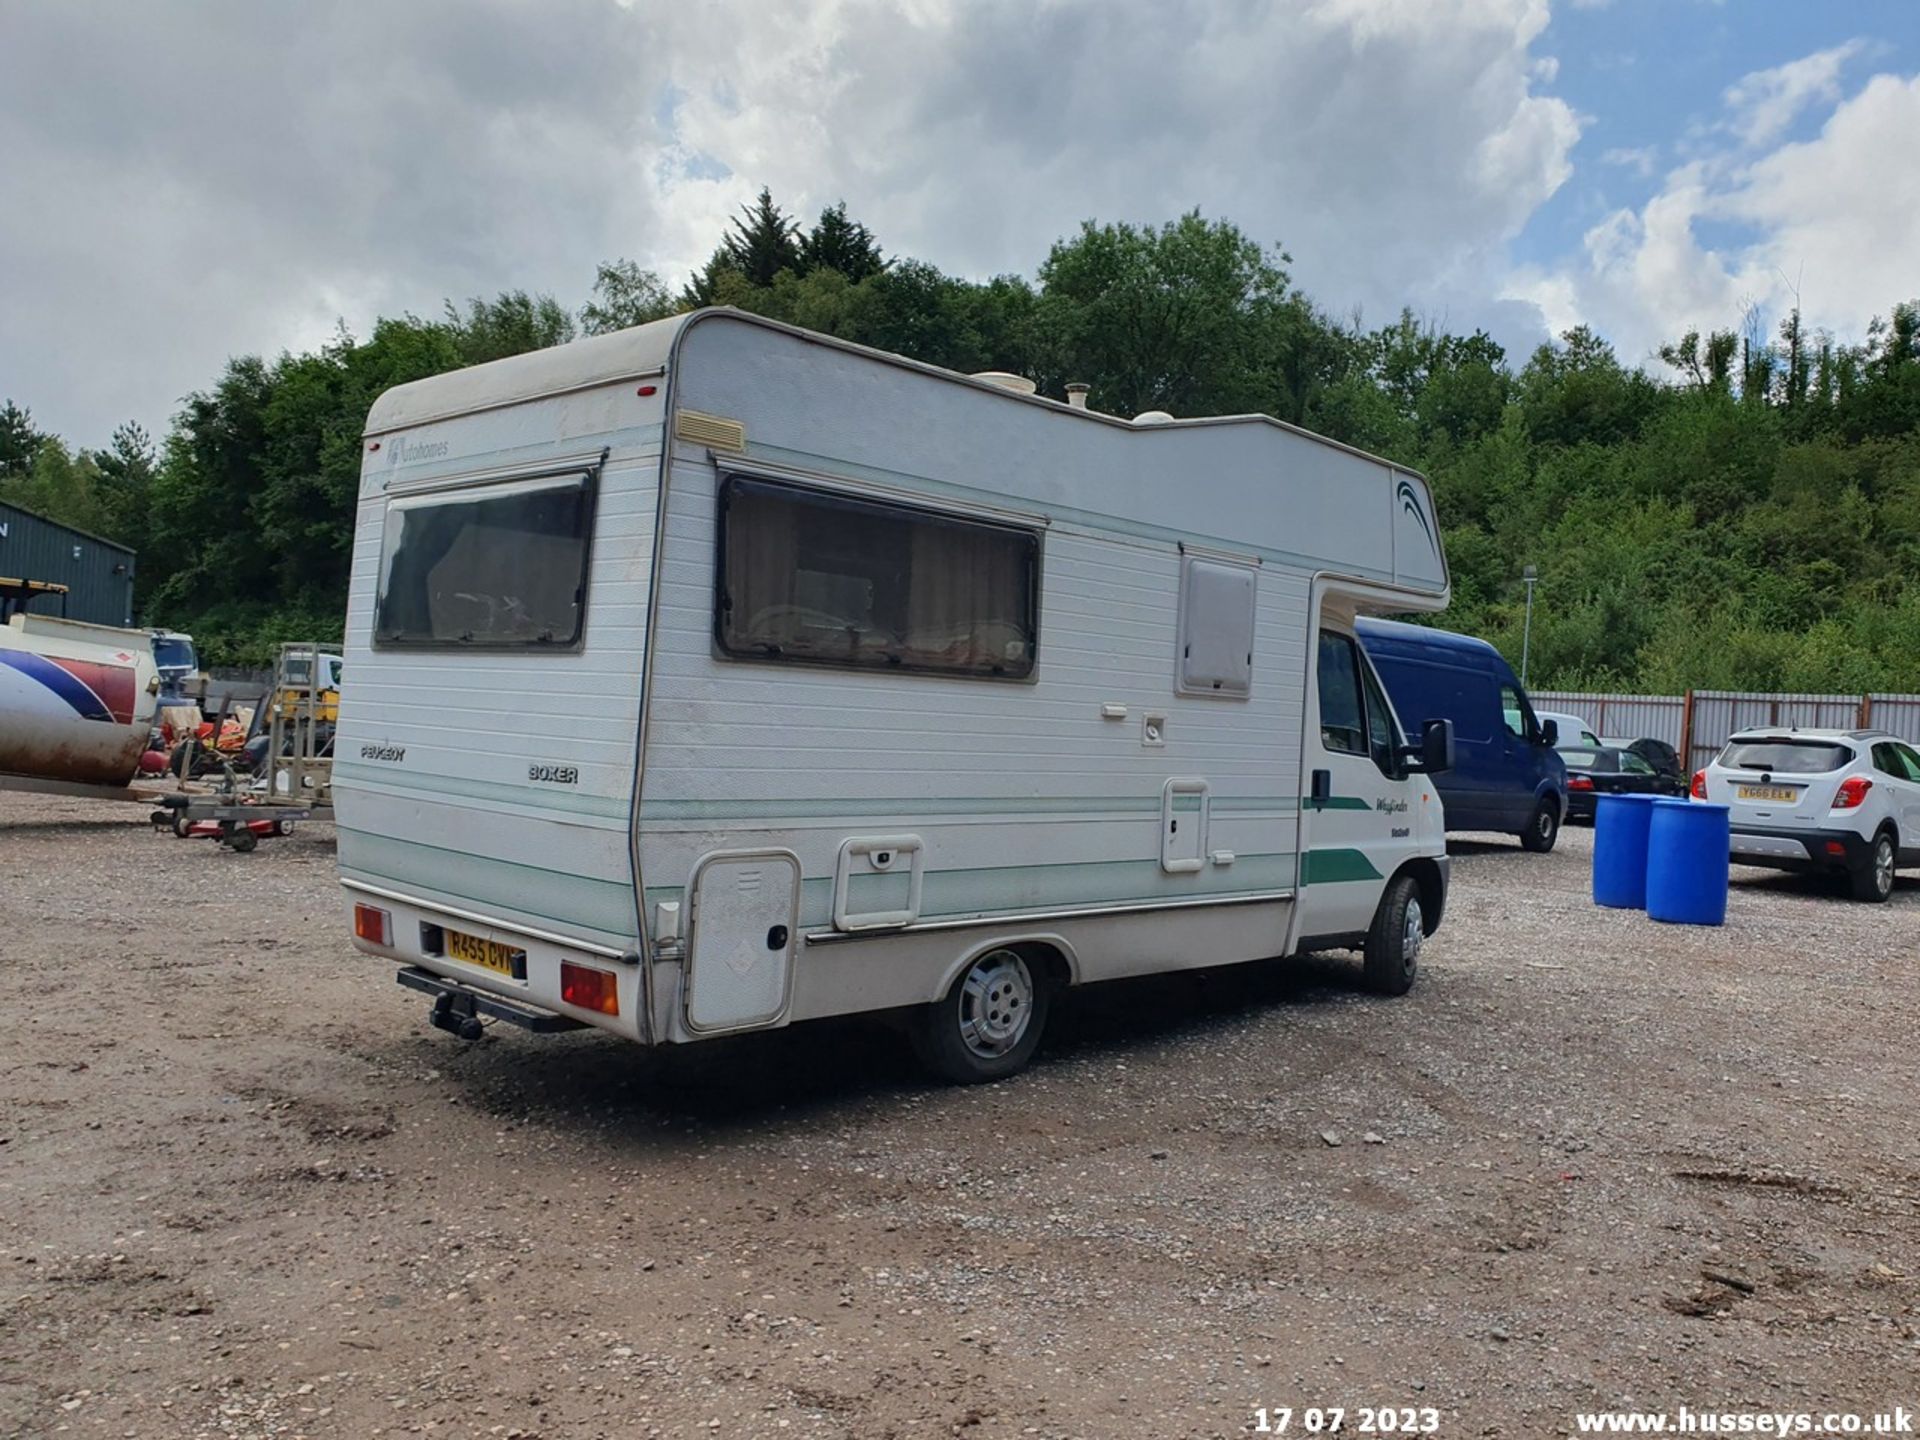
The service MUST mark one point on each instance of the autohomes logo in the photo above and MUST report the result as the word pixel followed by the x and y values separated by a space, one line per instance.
pixel 407 452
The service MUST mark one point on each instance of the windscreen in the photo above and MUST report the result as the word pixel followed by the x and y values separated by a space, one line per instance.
pixel 1577 759
pixel 491 566
pixel 170 654
pixel 1792 757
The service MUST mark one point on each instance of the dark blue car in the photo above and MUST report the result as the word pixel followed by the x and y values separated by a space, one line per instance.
pixel 1507 775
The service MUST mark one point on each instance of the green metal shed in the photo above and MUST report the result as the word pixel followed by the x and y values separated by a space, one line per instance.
pixel 98 573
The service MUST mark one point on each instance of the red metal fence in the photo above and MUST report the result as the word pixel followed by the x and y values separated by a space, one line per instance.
pixel 1698 723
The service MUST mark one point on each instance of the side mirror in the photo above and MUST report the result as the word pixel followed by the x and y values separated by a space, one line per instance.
pixel 1550 732
pixel 1434 753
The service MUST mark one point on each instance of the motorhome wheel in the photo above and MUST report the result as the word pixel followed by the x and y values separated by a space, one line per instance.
pixel 1393 942
pixel 989 1024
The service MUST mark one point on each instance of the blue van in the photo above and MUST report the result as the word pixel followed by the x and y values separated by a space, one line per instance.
pixel 1507 775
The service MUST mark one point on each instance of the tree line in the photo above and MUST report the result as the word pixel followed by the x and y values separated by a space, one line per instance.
pixel 1747 517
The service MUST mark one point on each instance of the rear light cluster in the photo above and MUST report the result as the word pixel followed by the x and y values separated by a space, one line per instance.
pixel 1579 782
pixel 373 925
pixel 1698 790
pixel 590 989
pixel 1852 791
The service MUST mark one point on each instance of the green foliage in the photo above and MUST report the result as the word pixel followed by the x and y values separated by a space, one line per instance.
pixel 510 324
pixel 840 244
pixel 1171 318
pixel 625 295
pixel 19 441
pixel 58 483
pixel 1754 524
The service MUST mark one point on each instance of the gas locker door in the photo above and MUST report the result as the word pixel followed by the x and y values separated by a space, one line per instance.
pixel 743 914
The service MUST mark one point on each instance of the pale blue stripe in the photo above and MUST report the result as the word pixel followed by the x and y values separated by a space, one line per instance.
pixel 490 886
pixel 380 780
pixel 1008 890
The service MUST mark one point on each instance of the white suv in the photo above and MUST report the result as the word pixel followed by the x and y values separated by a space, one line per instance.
pixel 1837 801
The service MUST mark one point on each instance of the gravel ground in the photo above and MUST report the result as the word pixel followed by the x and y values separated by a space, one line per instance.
pixel 1589 1162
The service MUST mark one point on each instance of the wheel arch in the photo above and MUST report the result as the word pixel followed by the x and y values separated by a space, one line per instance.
pixel 1050 954
pixel 1425 873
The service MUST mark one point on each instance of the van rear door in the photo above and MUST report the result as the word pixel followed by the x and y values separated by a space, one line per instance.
pixel 485 761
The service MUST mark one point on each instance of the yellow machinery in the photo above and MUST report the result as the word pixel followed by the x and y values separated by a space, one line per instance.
pixel 302 710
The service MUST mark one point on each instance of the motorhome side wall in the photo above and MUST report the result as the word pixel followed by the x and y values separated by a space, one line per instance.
pixel 1028 800
pixel 434 757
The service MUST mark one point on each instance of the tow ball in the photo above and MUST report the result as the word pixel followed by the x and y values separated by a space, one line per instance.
pixel 454 1014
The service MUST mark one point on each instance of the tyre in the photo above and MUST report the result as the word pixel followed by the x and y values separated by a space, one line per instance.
pixel 1543 829
pixel 1392 952
pixel 989 1024
pixel 1873 879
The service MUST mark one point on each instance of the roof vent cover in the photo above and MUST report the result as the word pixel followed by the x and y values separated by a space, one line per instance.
pixel 1007 380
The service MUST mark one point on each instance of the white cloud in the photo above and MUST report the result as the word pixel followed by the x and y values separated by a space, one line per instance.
pixel 1766 102
pixel 1831 218
pixel 233 179
pixel 1638 160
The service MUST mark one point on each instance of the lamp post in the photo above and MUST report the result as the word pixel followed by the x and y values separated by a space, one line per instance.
pixel 1526 629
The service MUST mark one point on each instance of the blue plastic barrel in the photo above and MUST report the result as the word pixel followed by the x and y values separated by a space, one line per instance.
pixel 1620 850
pixel 1687 863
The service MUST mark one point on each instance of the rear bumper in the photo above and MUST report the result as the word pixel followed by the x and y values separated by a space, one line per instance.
pixel 1798 849
pixel 416 931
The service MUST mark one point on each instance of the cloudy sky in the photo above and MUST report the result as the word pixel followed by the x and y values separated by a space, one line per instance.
pixel 187 182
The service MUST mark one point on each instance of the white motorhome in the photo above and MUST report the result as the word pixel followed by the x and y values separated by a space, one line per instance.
pixel 713 676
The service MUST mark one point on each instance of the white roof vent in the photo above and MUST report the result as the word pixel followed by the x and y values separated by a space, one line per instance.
pixel 1007 380
pixel 1153 417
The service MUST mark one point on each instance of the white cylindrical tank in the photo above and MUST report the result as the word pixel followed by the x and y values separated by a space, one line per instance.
pixel 76 701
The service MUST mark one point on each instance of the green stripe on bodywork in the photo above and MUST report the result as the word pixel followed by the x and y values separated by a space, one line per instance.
pixel 1335 802
pixel 1329 865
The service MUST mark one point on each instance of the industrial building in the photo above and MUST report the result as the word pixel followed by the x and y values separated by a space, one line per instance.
pixel 47 568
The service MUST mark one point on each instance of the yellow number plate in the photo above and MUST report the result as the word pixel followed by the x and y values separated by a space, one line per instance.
pixel 488 953
pixel 1769 792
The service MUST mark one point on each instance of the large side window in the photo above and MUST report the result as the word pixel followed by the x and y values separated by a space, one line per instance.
pixel 816 577
pixel 1343 718
pixel 487 566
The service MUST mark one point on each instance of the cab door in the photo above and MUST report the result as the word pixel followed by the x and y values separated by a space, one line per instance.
pixel 1355 825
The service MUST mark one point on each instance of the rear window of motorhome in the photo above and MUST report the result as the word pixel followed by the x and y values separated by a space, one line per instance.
pixel 491 566
pixel 822 578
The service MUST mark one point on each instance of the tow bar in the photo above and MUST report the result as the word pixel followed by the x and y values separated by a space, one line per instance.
pixel 457 1009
